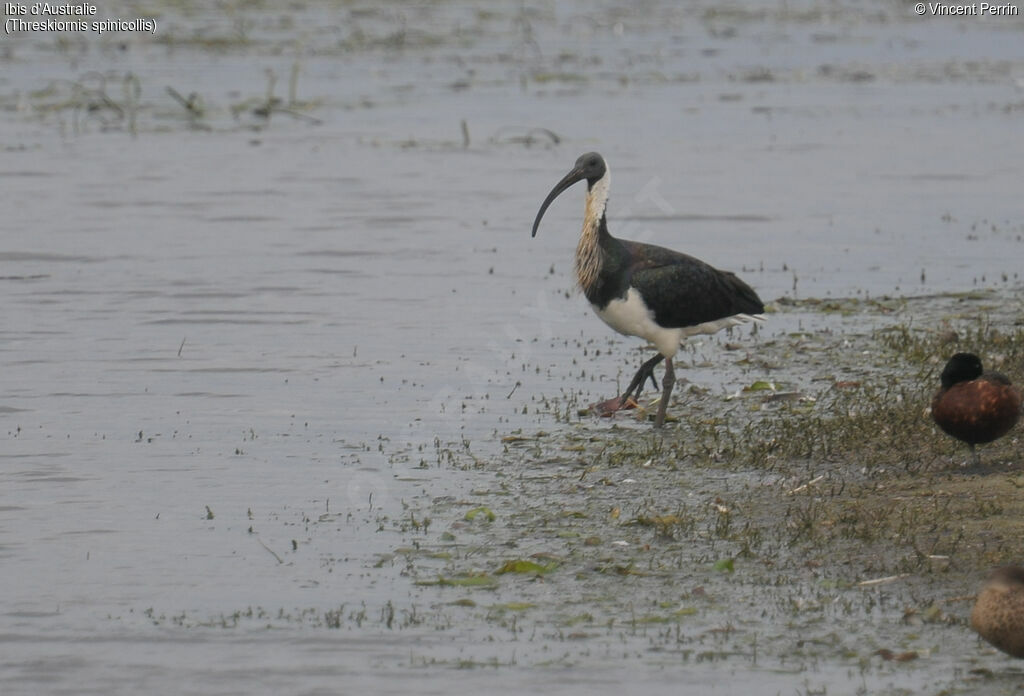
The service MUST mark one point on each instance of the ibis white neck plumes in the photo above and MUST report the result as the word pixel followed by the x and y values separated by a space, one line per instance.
pixel 588 251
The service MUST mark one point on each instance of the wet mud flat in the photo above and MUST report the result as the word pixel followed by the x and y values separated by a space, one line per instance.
pixel 816 524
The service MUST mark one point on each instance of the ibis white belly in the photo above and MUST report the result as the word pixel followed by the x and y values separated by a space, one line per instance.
pixel 630 316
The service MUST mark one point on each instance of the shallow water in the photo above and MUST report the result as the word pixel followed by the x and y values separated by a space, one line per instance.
pixel 241 356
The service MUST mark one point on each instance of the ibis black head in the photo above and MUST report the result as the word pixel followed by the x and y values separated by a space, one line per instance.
pixel 590 166
pixel 962 367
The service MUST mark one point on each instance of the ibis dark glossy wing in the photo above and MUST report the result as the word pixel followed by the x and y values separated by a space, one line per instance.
pixel 684 291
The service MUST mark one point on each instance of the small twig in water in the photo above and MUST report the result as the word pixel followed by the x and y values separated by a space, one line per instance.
pixel 293 84
pixel 882 581
pixel 193 105
pixel 805 486
pixel 270 551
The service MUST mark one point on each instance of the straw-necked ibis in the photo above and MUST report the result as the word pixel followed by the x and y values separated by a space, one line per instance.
pixel 648 291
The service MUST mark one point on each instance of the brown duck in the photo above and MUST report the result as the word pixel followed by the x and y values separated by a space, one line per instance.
pixel 998 614
pixel 974 405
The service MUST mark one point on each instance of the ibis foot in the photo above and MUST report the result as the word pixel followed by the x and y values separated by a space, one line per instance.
pixel 613 405
pixel 629 398
pixel 667 383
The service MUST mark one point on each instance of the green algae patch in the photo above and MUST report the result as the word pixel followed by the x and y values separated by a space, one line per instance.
pixel 483 512
pixel 725 565
pixel 525 567
pixel 512 606
pixel 482 581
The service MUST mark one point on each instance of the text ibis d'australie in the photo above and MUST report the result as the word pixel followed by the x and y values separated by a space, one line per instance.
pixel 645 290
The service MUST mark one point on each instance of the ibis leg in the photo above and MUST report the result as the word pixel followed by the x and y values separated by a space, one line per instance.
pixel 667 383
pixel 645 372
pixel 975 459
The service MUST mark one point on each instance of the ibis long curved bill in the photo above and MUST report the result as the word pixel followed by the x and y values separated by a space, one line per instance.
pixel 584 169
